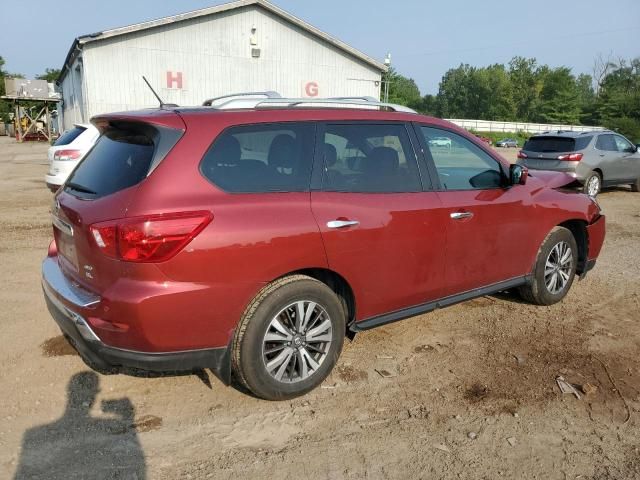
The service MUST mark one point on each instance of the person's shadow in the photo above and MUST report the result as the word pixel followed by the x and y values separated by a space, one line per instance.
pixel 78 446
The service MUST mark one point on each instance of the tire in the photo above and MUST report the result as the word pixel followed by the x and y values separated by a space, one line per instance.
pixel 292 364
pixel 542 290
pixel 592 184
pixel 635 187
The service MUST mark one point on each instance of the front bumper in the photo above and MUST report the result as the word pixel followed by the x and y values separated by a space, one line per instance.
pixel 64 300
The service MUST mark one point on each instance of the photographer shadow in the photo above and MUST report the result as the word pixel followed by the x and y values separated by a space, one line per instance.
pixel 79 446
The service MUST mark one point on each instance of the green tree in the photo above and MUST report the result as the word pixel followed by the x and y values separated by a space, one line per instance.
pixel 50 75
pixel 402 90
pixel 559 98
pixel 454 93
pixel 523 74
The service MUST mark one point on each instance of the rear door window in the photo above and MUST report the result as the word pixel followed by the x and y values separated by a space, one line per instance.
pixel 69 136
pixel 262 158
pixel 120 159
pixel 550 144
pixel 369 158
pixel 461 165
pixel 606 143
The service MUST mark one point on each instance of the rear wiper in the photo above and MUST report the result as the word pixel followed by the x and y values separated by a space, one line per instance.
pixel 80 188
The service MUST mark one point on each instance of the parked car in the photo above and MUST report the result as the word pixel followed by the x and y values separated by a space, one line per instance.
pixel 67 151
pixel 442 142
pixel 595 159
pixel 252 241
pixel 507 143
pixel 486 140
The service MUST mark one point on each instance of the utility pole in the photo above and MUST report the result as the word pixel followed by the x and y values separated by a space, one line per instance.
pixel 387 62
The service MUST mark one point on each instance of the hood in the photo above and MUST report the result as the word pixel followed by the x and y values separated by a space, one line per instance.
pixel 552 179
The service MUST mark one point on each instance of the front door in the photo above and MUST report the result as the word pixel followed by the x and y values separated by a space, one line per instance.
pixel 381 231
pixel 488 233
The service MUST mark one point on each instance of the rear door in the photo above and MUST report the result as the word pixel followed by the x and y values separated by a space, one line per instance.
pixel 629 158
pixel 610 159
pixel 487 225
pixel 381 231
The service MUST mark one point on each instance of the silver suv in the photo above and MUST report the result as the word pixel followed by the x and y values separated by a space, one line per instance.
pixel 595 159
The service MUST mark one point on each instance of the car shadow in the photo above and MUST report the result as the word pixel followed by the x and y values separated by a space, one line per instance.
pixel 79 445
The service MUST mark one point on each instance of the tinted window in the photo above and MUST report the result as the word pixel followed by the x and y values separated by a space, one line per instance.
pixel 262 158
pixel 582 142
pixel 120 159
pixel 461 165
pixel 69 136
pixel 622 144
pixel 550 144
pixel 369 158
pixel 606 143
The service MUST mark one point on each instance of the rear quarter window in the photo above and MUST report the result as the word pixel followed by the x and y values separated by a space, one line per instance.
pixel 261 158
pixel 69 136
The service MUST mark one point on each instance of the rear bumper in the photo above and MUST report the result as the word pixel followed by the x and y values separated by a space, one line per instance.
pixel 64 301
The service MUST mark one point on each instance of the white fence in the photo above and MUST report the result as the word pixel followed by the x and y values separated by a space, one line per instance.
pixel 491 126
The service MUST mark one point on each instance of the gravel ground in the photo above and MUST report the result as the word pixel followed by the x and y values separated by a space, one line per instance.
pixel 472 393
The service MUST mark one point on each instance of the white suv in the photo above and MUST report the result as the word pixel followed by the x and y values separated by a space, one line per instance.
pixel 67 151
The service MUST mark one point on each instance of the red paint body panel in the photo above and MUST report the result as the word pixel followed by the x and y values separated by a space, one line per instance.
pixel 405 251
pixel 394 257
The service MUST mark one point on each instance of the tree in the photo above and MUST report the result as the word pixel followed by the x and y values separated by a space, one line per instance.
pixel 559 100
pixel 523 74
pixel 402 90
pixel 50 75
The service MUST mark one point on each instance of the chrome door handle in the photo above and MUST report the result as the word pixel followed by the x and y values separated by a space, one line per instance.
pixel 342 223
pixel 461 215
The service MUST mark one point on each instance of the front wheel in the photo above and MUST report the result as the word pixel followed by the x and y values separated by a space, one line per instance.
pixel 289 338
pixel 554 270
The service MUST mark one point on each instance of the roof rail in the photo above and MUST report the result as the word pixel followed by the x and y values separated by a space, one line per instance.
pixel 336 102
pixel 230 97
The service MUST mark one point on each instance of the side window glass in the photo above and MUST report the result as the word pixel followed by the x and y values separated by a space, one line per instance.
pixel 261 158
pixel 622 144
pixel 369 158
pixel 606 143
pixel 461 165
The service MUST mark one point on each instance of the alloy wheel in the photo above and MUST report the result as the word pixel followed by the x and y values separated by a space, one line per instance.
pixel 297 341
pixel 593 186
pixel 557 269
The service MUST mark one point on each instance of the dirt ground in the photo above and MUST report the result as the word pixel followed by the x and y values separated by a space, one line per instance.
pixel 472 393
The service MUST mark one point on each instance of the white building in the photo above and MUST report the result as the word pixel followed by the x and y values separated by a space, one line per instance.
pixel 243 46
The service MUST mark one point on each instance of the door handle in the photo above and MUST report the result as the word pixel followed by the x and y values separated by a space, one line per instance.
pixel 342 223
pixel 461 215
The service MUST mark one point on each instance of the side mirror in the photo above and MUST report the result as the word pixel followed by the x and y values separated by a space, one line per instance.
pixel 518 174
pixel 637 147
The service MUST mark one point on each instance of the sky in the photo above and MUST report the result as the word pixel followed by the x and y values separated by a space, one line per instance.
pixel 425 37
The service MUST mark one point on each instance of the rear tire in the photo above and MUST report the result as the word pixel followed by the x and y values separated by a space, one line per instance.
pixel 289 338
pixel 635 187
pixel 554 270
pixel 592 184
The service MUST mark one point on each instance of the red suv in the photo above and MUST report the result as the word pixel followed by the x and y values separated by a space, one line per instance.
pixel 252 241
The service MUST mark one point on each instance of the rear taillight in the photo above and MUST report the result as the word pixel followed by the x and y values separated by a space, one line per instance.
pixel 67 155
pixel 571 157
pixel 155 238
pixel 521 154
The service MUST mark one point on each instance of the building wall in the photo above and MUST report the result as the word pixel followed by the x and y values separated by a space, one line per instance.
pixel 74 106
pixel 213 57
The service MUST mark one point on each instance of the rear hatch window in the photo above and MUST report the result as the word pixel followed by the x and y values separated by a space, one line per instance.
pixel 123 156
pixel 556 144
pixel 69 136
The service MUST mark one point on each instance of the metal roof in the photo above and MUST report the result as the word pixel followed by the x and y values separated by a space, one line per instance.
pixel 84 39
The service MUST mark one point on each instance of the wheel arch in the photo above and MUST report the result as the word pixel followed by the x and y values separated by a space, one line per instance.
pixel 579 230
pixel 340 287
